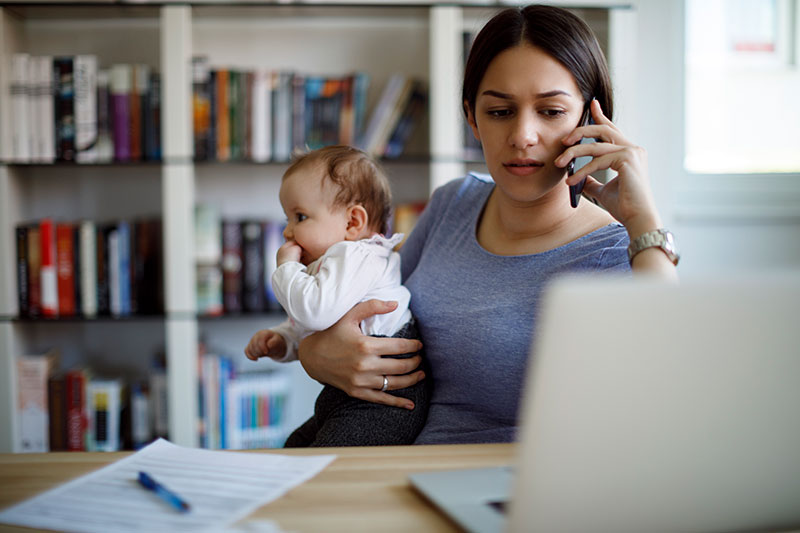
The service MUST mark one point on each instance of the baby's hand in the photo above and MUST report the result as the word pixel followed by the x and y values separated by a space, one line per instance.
pixel 289 251
pixel 266 343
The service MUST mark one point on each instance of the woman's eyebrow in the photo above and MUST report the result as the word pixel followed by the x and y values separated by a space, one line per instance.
pixel 506 96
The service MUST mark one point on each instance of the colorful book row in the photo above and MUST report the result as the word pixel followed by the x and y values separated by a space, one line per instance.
pixel 235 262
pixel 67 109
pixel 76 411
pixel 265 115
pixel 68 269
pixel 239 411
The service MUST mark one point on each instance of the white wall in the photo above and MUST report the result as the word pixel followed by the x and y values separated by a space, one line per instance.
pixel 722 223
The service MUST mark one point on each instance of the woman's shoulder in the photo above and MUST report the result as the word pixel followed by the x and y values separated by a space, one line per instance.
pixel 463 191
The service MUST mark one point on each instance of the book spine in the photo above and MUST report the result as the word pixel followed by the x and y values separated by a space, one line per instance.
pixel 152 119
pixel 234 82
pixel 140 416
pixel 64 80
pixel 20 108
pixel 76 267
pixel 75 386
pixel 273 239
pixel 105 143
pixel 85 108
pixel 261 116
pixel 347 112
pixel 23 297
pixel 103 397
pixel 223 116
pixel 231 266
pixel 121 112
pixel 102 270
pixel 201 107
pixel 211 148
pixel 34 271
pixel 114 290
pixel 65 264
pixel 57 412
pixel 124 258
pixel 32 375
pixel 282 117
pixel 147 266
pixel 139 82
pixel 34 85
pixel 253 266
pixel 247 117
pixel 44 101
pixel 299 131
pixel 48 276
pixel 209 290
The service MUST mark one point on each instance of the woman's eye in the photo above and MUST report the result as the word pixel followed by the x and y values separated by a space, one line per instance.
pixel 499 113
pixel 552 113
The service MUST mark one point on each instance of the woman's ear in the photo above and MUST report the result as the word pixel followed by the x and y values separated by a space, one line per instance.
pixel 357 220
pixel 471 120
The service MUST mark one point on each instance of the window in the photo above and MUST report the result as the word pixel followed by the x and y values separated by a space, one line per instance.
pixel 742 87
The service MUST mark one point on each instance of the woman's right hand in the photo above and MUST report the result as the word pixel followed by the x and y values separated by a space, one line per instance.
pixel 342 356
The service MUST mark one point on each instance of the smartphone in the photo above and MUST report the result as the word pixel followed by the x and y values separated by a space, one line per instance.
pixel 579 162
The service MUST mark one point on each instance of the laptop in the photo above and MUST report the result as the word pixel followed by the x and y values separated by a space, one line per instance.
pixel 649 406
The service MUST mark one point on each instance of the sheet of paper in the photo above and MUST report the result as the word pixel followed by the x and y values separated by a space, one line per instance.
pixel 221 487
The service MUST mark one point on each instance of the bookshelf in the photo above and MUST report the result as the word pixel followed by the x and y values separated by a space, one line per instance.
pixel 422 39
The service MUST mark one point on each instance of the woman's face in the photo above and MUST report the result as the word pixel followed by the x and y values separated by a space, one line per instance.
pixel 527 103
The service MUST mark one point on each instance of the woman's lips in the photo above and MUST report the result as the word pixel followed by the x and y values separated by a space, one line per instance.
pixel 522 167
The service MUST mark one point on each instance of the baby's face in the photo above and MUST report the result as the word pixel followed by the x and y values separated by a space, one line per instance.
pixel 311 220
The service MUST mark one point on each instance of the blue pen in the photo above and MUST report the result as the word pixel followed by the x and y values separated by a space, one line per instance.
pixel 163 492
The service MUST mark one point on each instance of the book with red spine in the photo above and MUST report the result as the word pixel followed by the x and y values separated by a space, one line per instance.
pixel 47 275
pixel 65 269
pixel 76 408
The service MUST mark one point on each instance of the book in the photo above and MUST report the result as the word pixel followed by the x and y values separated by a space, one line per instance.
pixel 64 111
pixel 34 260
pixel 152 119
pixel 139 403
pixel 209 290
pixel 23 297
pixel 76 267
pixel 380 122
pixel 201 106
pixel 395 112
pixel 147 267
pixel 232 266
pixel 104 400
pixel 85 102
pixel 223 117
pixel 47 276
pixel 282 116
pixel 105 142
pixel 261 118
pixel 113 271
pixel 57 413
pixel 77 418
pixel 408 121
pixel 207 234
pixel 20 108
pixel 159 408
pixel 33 371
pixel 253 266
pixel 256 410
pixel 140 82
pixel 65 269
pixel 299 111
pixel 211 149
pixel 88 268
pixel 102 268
pixel 273 239
pixel 120 88
pixel 43 100
pixel 124 266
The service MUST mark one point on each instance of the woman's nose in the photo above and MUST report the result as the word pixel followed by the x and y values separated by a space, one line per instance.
pixel 524 133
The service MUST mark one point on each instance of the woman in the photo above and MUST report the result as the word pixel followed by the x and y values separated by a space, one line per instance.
pixel 484 249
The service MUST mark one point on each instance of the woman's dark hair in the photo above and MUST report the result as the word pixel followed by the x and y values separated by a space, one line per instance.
pixel 554 30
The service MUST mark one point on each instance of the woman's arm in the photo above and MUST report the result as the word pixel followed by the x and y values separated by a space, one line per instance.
pixel 347 359
pixel 627 197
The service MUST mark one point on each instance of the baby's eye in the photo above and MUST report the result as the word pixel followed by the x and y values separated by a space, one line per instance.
pixel 300 217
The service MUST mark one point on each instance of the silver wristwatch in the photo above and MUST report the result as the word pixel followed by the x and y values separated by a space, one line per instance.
pixel 659 238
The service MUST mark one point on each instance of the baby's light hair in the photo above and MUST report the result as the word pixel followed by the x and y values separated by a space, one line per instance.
pixel 359 180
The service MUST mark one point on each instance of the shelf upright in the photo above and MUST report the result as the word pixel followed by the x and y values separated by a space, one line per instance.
pixel 446 25
pixel 10 42
pixel 178 196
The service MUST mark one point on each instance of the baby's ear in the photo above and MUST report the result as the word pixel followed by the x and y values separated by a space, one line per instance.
pixel 357 221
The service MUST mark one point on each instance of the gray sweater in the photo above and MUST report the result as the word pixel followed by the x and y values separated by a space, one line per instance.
pixel 476 311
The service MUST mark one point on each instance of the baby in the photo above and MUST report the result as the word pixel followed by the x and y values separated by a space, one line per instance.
pixel 337 203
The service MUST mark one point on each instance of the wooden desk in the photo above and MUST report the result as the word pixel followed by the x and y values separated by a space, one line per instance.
pixel 364 489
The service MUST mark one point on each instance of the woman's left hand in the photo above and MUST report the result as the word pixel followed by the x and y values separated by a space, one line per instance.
pixel 627 196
